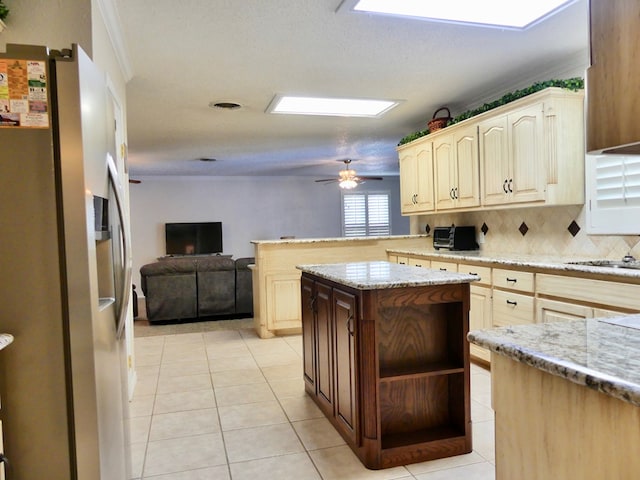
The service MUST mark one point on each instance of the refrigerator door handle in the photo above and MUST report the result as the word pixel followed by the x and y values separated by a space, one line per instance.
pixel 121 315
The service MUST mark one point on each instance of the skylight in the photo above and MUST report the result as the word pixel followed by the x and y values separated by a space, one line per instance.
pixel 494 13
pixel 339 107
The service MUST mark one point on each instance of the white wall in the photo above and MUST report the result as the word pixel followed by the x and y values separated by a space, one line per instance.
pixel 250 208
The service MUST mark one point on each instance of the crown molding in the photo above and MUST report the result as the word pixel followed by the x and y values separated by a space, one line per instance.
pixel 112 23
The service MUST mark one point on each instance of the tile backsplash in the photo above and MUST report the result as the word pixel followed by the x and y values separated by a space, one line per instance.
pixel 541 230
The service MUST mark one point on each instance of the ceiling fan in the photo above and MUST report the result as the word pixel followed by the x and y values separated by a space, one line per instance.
pixel 347 177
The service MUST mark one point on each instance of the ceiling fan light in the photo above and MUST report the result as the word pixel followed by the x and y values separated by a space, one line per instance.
pixel 348 183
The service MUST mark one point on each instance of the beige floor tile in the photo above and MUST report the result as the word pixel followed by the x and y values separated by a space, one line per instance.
pixel 261 442
pixel 340 463
pixel 237 377
pixel 445 463
pixel 212 473
pixel 145 359
pixel 184 384
pixel 318 433
pixel 139 429
pixel 185 453
pixel 268 346
pixel 232 363
pixel 185 338
pixel 251 415
pixel 183 401
pixel 183 353
pixel 146 386
pixel 300 408
pixel 221 336
pixel 178 369
pixel 145 371
pixel 283 372
pixel 241 394
pixel 184 424
pixel 221 350
pixel 138 451
pixel 283 357
pixel 477 471
pixel 480 413
pixel 288 388
pixel 141 406
pixel 484 440
pixel 296 466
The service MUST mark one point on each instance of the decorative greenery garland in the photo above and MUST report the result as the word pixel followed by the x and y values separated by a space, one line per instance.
pixel 574 84
pixel 4 11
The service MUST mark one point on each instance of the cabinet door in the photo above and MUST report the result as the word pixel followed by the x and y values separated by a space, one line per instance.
pixel 324 358
pixel 445 172
pixel 528 166
pixel 467 178
pixel 308 333
pixel 424 198
pixel 554 311
pixel 283 301
pixel 494 160
pixel 480 317
pixel 408 180
pixel 345 330
pixel 416 178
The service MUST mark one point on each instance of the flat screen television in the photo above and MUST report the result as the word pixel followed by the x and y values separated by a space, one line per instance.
pixel 193 238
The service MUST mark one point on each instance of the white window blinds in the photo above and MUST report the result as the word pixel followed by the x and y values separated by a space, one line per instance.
pixel 365 214
pixel 613 194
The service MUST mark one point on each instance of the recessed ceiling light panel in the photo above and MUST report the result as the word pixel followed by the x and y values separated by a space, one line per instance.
pixel 493 13
pixel 340 107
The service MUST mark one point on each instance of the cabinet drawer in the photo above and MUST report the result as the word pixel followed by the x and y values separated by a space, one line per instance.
pixel 513 279
pixel 444 266
pixel 483 272
pixel 512 309
pixel 617 294
pixel 419 262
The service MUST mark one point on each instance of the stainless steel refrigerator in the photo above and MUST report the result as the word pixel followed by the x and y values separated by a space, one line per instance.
pixel 65 270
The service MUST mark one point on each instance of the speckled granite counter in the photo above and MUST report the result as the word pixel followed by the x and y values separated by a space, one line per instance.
pixel 293 241
pixel 601 354
pixel 5 340
pixel 379 275
pixel 544 262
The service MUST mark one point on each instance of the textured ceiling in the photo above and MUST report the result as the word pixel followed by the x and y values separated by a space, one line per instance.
pixel 185 55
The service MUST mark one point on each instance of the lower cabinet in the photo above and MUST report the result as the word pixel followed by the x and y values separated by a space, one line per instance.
pixel 390 368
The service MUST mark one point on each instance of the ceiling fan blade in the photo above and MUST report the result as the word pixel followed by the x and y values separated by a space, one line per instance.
pixel 327 180
pixel 369 178
pixel 133 180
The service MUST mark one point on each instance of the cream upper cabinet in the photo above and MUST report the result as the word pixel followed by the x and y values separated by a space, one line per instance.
pixel 529 152
pixel 416 177
pixel 534 151
pixel 512 157
pixel 455 157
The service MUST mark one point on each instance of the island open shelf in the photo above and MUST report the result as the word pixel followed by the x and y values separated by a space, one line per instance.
pixel 388 363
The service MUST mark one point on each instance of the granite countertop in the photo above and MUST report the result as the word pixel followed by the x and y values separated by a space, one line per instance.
pixel 5 340
pixel 284 241
pixel 601 354
pixel 546 262
pixel 379 275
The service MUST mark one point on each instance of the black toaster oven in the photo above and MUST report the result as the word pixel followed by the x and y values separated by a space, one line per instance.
pixel 455 238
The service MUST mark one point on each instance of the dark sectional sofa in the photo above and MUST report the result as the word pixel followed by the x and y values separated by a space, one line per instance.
pixel 191 288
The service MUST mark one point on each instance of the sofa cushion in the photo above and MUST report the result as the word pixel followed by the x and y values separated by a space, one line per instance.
pixel 216 286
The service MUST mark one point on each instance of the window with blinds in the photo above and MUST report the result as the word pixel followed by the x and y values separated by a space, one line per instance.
pixel 613 194
pixel 365 214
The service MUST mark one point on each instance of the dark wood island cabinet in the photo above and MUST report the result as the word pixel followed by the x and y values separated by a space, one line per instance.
pixel 386 358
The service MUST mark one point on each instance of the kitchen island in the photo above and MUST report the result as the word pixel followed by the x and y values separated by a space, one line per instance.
pixel 276 281
pixel 566 397
pixel 386 358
